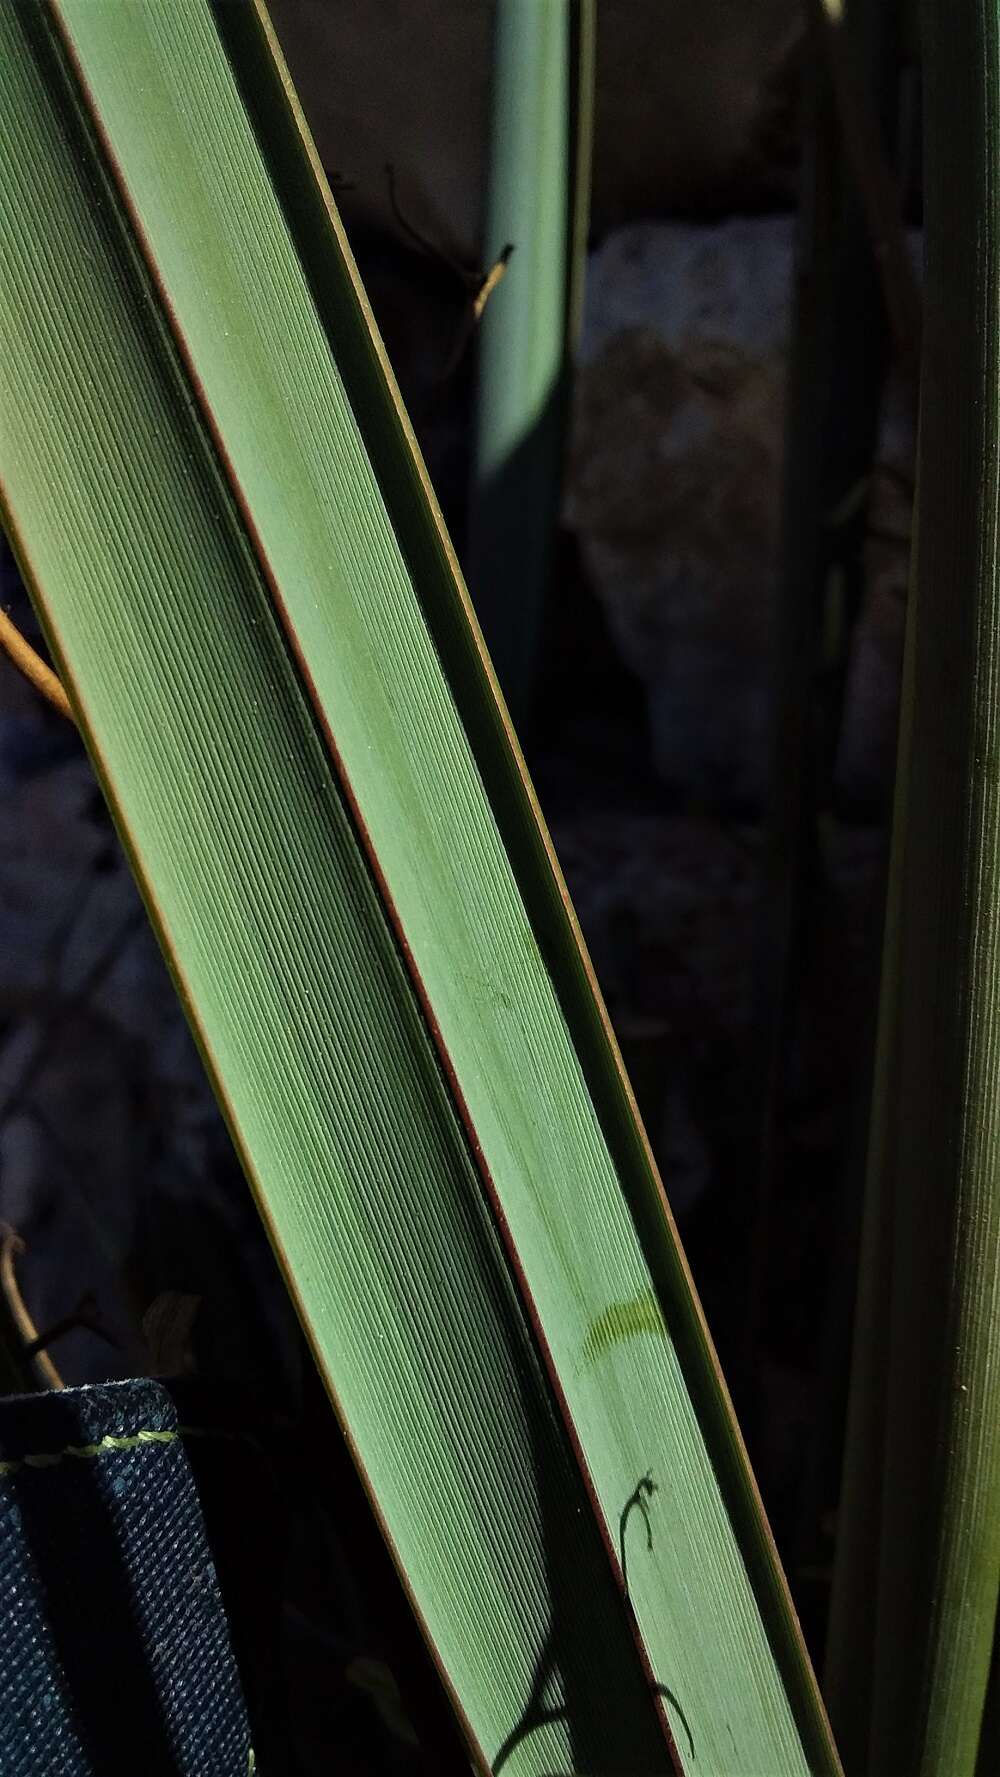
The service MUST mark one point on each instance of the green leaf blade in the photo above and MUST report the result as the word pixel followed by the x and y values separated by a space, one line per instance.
pixel 921 1538
pixel 310 1023
pixel 227 903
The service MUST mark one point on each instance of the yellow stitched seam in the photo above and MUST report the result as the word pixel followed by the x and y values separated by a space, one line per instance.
pixel 109 1442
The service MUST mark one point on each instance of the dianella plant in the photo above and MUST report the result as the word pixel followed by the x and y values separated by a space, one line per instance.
pixel 249 597
pixel 257 617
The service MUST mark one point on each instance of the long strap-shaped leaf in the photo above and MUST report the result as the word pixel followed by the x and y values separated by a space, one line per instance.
pixel 212 491
pixel 537 202
pixel 920 1548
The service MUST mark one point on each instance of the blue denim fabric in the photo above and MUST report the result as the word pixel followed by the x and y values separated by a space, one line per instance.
pixel 115 1657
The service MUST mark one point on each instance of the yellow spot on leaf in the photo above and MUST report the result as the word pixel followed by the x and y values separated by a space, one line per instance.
pixel 624 1320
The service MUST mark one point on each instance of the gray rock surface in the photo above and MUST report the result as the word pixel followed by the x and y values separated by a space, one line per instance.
pixel 674 492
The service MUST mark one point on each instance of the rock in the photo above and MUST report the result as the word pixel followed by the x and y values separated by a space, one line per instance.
pixel 674 494
pixel 692 108
pixel 674 482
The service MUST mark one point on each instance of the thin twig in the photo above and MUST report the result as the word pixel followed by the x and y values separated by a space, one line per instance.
pixel 31 665
pixel 11 1248
pixel 85 1317
pixel 428 248
pixel 478 285
pixel 491 280
pixel 474 313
